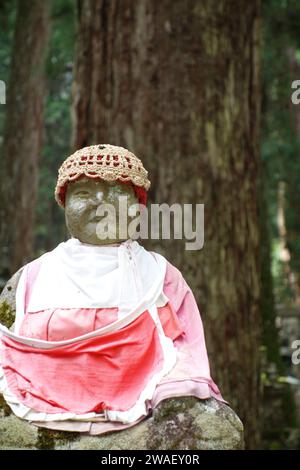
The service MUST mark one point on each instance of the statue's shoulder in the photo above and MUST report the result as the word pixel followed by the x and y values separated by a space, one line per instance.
pixel 9 290
pixel 8 293
pixel 173 278
pixel 8 299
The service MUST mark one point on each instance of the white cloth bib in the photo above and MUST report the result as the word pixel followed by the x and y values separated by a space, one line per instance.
pixel 77 275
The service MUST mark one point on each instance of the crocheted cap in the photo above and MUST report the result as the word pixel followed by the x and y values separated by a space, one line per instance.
pixel 108 162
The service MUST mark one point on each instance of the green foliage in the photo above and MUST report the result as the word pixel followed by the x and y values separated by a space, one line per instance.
pixel 280 151
pixel 50 227
pixel 7 20
pixel 280 146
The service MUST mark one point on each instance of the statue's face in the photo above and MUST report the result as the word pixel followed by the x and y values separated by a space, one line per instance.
pixel 84 197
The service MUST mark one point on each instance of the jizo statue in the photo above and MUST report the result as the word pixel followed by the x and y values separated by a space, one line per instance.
pixel 104 329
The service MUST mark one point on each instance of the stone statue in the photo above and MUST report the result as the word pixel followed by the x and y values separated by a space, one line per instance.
pixel 107 336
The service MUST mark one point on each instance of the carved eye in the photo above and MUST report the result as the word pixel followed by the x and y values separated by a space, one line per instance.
pixel 82 193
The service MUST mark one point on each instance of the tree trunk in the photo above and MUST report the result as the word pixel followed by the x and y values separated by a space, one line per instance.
pixel 22 143
pixel 178 84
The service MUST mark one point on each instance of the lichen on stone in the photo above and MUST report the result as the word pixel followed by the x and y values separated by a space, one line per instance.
pixel 5 409
pixel 172 427
pixel 173 405
pixel 48 438
pixel 16 434
pixel 7 314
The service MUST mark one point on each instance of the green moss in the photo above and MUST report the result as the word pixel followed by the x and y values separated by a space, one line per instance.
pixel 7 318
pixel 171 407
pixel 4 407
pixel 7 314
pixel 17 433
pixel 47 438
pixel 173 426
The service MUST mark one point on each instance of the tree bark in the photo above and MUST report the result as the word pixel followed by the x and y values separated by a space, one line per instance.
pixel 22 143
pixel 178 84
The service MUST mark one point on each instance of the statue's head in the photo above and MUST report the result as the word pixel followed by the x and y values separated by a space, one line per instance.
pixel 91 184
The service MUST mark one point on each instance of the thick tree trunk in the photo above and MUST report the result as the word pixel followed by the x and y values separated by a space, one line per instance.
pixel 178 84
pixel 23 134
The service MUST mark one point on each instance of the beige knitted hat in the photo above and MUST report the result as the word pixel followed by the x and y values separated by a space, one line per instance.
pixel 108 162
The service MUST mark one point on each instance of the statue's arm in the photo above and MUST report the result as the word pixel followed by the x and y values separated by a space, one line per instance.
pixel 8 300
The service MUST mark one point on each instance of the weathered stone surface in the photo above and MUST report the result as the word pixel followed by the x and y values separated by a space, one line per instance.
pixel 179 423
pixel 176 424
pixel 17 434
pixel 8 300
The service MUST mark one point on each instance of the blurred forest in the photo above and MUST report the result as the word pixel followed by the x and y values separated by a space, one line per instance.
pixel 201 92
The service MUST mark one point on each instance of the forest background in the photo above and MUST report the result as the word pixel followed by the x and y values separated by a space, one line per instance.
pixel 201 92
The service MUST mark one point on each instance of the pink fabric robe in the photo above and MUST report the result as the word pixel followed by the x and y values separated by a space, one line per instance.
pixel 107 372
